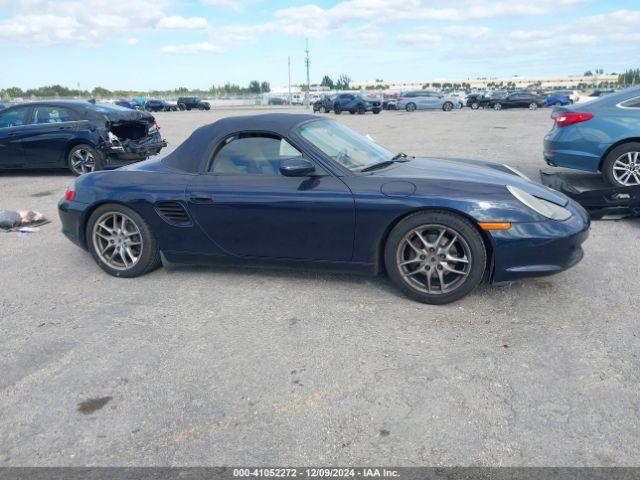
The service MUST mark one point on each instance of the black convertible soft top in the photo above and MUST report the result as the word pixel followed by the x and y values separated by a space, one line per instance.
pixel 189 155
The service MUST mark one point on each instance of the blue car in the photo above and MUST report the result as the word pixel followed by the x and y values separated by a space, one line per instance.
pixel 600 136
pixel 304 190
pixel 558 99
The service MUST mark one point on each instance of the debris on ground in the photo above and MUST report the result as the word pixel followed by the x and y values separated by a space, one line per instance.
pixel 24 221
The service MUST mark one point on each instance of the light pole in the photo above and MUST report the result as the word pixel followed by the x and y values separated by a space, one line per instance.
pixel 306 62
pixel 289 67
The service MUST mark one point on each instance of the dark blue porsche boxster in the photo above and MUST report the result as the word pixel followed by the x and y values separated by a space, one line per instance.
pixel 306 190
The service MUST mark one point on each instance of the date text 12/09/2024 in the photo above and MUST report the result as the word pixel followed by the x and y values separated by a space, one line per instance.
pixel 315 472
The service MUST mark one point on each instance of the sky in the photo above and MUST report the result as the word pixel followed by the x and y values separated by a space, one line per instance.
pixel 164 44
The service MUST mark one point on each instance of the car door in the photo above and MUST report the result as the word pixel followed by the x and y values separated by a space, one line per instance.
pixel 12 133
pixel 50 130
pixel 248 209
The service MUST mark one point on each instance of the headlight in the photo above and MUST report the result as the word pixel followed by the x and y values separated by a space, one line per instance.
pixel 543 207
pixel 517 172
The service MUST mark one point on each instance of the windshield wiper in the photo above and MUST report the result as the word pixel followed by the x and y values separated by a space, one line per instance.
pixel 398 158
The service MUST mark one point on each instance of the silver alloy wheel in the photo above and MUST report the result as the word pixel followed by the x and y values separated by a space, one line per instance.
pixel 447 107
pixel 83 161
pixel 117 240
pixel 626 169
pixel 497 106
pixel 533 106
pixel 434 259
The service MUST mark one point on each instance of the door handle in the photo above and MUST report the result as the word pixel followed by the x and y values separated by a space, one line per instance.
pixel 201 199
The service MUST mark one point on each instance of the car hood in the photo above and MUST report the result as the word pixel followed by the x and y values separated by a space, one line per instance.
pixel 464 170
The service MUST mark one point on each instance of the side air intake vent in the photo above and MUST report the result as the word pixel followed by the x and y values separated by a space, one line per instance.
pixel 173 212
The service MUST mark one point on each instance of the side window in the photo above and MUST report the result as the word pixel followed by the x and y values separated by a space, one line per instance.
pixel 252 155
pixel 13 117
pixel 631 103
pixel 51 115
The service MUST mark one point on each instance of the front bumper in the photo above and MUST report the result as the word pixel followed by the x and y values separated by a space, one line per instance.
pixel 539 248
pixel 130 151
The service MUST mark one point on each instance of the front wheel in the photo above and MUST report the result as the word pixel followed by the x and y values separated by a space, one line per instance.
pixel 435 257
pixel 337 109
pixel 621 167
pixel 376 111
pixel 533 106
pixel 361 110
pixel 497 106
pixel 121 242
pixel 447 106
pixel 475 106
pixel 411 107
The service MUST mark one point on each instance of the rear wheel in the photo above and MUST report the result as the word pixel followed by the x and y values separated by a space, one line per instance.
pixel 361 110
pixel 533 106
pixel 411 107
pixel 435 257
pixel 475 106
pixel 447 106
pixel 182 106
pixel 337 109
pixel 621 168
pixel 83 159
pixel 376 111
pixel 121 242
pixel 497 106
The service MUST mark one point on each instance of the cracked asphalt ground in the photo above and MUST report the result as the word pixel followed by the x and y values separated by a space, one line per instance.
pixel 223 366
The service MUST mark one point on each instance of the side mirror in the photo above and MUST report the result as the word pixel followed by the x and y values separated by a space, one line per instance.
pixel 296 167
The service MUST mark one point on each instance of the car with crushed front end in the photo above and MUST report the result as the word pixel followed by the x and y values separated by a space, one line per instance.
pixel 599 136
pixel 323 105
pixel 80 136
pixel 303 190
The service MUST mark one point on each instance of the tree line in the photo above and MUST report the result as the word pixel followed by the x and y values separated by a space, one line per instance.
pixel 59 91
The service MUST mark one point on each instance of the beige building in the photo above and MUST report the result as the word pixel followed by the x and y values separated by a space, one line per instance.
pixel 520 82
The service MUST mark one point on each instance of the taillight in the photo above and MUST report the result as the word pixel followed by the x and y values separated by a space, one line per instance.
pixel 564 119
pixel 70 194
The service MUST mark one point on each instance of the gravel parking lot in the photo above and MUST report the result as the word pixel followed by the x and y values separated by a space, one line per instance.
pixel 223 366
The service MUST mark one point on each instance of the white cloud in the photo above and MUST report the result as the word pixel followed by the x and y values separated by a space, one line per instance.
pixel 46 22
pixel 176 21
pixel 193 48
pixel 133 41
pixel 234 5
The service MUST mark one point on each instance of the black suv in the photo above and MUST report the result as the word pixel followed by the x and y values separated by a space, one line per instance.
pixel 190 103
pixel 355 103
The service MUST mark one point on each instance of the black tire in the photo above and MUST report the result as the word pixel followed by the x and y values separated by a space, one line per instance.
pixel 376 111
pixel 447 106
pixel 182 106
pixel 458 225
pixel 475 106
pixel 497 106
pixel 337 109
pixel 533 106
pixel 149 257
pixel 352 112
pixel 410 107
pixel 361 110
pixel 86 166
pixel 610 160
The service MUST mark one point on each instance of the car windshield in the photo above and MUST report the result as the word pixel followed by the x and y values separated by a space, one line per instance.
pixel 346 147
